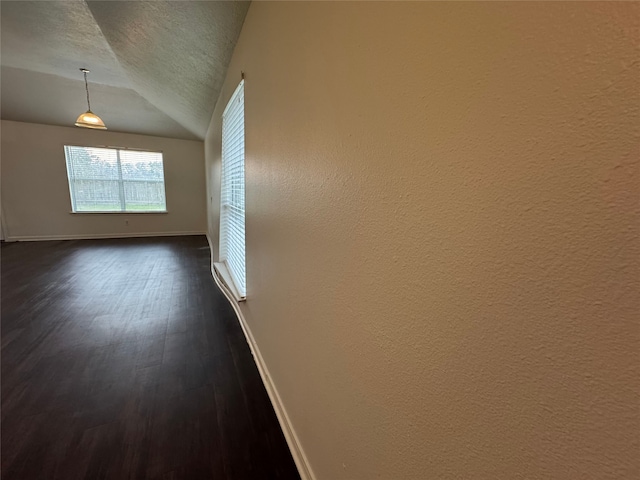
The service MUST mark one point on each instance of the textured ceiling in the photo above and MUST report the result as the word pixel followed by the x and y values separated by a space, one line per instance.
pixel 156 67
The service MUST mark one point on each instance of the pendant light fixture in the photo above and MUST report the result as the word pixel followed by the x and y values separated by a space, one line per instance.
pixel 89 119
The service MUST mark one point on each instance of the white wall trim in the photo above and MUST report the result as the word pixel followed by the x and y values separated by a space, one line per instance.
pixel 299 457
pixel 38 238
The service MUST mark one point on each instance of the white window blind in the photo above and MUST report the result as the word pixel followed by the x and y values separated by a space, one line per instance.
pixel 232 232
pixel 115 180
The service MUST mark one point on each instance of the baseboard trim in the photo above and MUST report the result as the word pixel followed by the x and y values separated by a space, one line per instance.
pixel 304 469
pixel 40 238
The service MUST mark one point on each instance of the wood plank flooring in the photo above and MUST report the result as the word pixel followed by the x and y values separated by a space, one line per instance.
pixel 121 359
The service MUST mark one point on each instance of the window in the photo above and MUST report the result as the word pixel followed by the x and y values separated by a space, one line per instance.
pixel 115 180
pixel 232 237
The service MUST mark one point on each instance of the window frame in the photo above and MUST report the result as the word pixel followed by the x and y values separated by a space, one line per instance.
pixel 226 267
pixel 120 181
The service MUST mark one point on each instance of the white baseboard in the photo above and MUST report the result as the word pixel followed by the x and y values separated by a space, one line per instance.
pixel 304 469
pixel 38 238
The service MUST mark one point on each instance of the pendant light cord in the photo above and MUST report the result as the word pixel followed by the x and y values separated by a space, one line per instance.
pixel 86 87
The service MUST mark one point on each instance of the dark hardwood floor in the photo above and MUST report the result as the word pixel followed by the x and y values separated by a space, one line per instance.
pixel 121 359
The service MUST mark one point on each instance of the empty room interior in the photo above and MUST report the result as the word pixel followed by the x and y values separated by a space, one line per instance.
pixel 320 240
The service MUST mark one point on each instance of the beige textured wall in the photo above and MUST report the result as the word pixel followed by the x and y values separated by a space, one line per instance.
pixel 35 189
pixel 442 233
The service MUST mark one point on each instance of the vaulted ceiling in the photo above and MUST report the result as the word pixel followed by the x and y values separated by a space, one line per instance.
pixel 156 67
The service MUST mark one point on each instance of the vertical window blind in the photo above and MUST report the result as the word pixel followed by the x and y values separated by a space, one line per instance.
pixel 115 180
pixel 232 206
